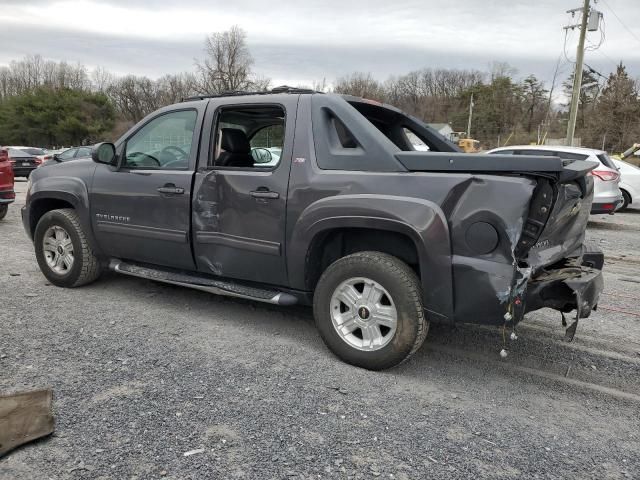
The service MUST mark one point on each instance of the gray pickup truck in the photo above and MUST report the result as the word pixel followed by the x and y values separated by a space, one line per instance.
pixel 349 205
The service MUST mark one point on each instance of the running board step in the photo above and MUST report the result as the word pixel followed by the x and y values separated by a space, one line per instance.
pixel 201 282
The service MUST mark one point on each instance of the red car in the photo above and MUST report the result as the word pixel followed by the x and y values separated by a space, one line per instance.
pixel 7 194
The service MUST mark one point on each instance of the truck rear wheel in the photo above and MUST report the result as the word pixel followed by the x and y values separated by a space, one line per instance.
pixel 63 251
pixel 368 310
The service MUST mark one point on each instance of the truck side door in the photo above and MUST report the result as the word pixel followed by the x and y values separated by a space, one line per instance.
pixel 240 188
pixel 141 210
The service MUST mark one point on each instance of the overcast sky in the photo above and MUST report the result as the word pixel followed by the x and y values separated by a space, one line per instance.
pixel 297 42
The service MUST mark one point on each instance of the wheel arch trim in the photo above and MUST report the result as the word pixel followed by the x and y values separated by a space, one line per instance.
pixel 420 220
pixel 71 190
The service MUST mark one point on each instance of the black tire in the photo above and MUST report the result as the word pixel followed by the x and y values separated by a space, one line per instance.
pixel 86 266
pixel 404 288
pixel 626 200
pixel 3 210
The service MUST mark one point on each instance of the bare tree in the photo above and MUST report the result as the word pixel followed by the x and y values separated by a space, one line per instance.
pixel 227 63
pixel 361 85
pixel 101 79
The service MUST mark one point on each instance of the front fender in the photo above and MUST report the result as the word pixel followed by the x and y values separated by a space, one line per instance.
pixel 421 220
pixel 71 190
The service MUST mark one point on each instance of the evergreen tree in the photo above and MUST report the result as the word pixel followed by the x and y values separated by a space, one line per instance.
pixel 616 116
pixel 44 117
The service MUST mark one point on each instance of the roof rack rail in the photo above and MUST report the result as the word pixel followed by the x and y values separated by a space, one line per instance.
pixel 237 93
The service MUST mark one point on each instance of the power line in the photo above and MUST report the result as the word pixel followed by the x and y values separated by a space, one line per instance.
pixel 621 22
pixel 564 47
pixel 608 58
pixel 592 70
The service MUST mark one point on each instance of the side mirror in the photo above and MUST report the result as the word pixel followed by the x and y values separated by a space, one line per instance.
pixel 261 155
pixel 104 153
pixel 56 157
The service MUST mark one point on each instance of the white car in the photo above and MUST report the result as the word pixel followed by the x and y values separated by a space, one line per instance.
pixel 607 197
pixel 629 183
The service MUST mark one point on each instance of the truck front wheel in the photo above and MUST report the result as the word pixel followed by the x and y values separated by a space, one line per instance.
pixel 63 252
pixel 368 310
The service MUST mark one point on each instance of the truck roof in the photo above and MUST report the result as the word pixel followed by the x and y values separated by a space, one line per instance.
pixel 244 93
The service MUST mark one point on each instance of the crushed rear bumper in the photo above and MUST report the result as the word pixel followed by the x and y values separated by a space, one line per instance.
pixel 575 287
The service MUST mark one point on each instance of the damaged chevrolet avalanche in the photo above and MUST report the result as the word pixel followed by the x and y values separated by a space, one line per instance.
pixel 349 205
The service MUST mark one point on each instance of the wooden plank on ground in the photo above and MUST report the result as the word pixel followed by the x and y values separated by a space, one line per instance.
pixel 24 417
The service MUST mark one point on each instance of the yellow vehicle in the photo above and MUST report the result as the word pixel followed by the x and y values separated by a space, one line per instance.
pixel 469 145
pixel 628 155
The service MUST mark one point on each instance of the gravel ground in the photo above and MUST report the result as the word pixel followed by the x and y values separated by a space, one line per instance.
pixel 143 373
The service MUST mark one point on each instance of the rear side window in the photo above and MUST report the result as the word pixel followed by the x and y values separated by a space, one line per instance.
pixel 249 137
pixel 571 156
pixel 67 154
pixel 84 152
pixel 606 161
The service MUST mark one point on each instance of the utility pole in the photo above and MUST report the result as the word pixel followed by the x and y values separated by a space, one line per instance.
pixel 470 114
pixel 577 74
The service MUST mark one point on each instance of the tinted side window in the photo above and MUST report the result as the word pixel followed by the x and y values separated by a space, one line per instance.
pixel 84 152
pixel 164 142
pixel 249 137
pixel 68 154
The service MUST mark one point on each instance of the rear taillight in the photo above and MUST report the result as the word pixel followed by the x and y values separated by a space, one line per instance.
pixel 38 161
pixel 606 175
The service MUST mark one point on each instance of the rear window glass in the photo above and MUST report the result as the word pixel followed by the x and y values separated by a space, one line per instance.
pixel 571 156
pixel 544 153
pixel 606 161
pixel 33 151
pixel 502 152
pixel 16 152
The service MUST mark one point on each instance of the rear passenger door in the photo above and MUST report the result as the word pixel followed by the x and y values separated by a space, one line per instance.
pixel 239 204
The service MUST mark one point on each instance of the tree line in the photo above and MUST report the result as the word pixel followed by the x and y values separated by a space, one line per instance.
pixel 52 103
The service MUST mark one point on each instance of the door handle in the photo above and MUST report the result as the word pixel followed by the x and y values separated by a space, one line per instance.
pixel 170 188
pixel 264 193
